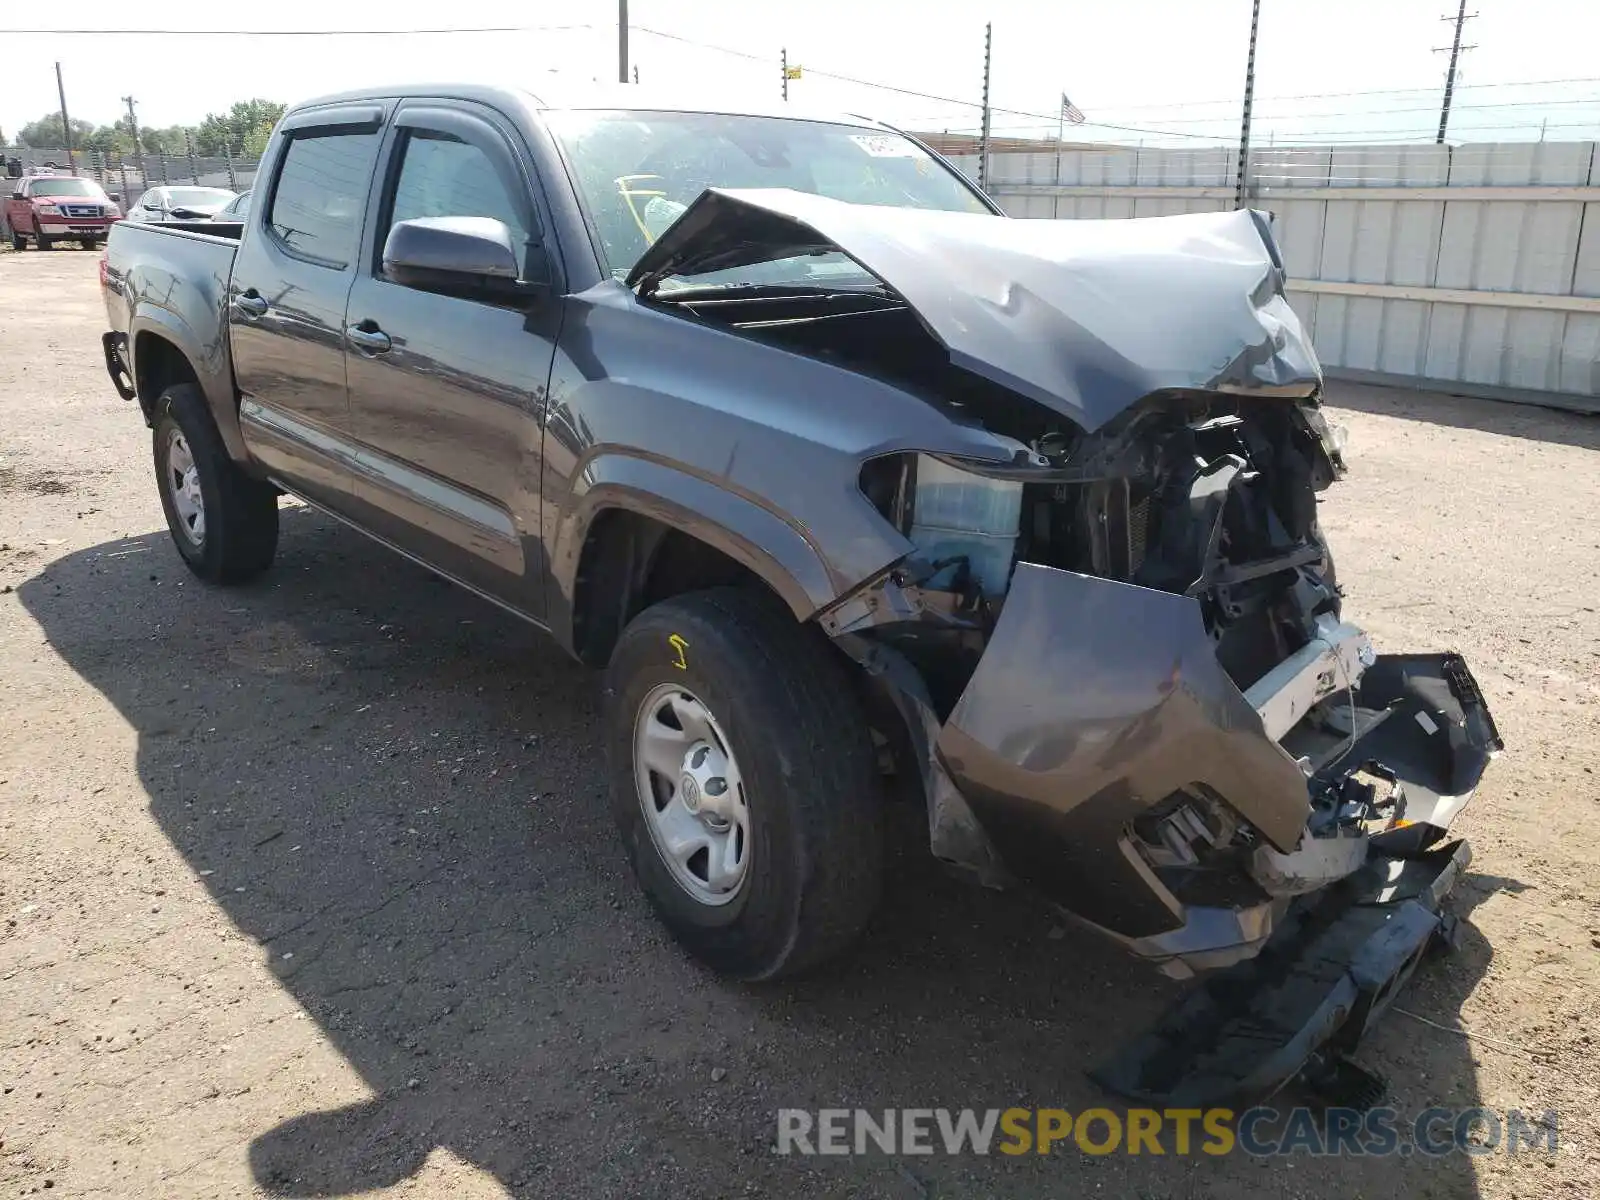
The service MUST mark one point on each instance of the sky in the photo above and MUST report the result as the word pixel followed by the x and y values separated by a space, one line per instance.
pixel 1156 72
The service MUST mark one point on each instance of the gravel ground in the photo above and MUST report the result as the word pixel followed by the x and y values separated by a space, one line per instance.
pixel 308 887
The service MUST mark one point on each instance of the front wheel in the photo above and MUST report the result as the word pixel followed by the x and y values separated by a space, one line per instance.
pixel 44 243
pixel 224 523
pixel 743 782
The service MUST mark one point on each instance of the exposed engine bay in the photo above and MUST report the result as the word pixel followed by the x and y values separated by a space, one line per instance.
pixel 1120 653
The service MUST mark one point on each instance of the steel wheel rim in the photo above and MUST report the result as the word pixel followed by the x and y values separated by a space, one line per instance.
pixel 183 485
pixel 681 758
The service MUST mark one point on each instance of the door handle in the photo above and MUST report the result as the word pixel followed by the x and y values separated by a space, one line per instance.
pixel 368 338
pixel 250 305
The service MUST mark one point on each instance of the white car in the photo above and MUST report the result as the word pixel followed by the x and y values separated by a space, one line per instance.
pixel 162 204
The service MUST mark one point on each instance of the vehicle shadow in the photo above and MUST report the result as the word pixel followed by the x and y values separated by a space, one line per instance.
pixel 399 786
pixel 1501 417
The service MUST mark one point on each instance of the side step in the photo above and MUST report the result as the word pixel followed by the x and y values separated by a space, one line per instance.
pixel 1321 981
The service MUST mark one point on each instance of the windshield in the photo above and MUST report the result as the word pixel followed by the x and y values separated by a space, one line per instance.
pixel 85 188
pixel 197 197
pixel 637 171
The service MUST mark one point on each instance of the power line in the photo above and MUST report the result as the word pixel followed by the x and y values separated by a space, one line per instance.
pixel 889 87
pixel 292 32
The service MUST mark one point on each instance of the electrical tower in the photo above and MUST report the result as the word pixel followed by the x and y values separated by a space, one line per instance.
pixel 983 137
pixel 1461 18
pixel 138 142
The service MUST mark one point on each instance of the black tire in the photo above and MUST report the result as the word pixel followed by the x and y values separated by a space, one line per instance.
pixel 811 782
pixel 43 242
pixel 240 532
pixel 17 241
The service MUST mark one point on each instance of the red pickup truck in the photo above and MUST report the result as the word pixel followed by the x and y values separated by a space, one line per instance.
pixel 56 208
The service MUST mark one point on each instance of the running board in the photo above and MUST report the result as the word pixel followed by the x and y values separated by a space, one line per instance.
pixel 1295 1010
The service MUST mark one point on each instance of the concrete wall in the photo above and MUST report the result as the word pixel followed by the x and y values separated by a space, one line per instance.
pixel 1471 268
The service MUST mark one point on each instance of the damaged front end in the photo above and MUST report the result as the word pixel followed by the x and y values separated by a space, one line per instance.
pixel 1125 676
pixel 1164 724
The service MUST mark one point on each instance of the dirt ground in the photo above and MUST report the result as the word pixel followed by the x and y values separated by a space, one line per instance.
pixel 309 888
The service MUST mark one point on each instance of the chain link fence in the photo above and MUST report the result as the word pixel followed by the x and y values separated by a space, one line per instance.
pixel 127 176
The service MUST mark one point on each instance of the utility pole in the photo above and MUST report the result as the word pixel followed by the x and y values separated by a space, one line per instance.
pixel 622 41
pixel 138 143
pixel 1241 184
pixel 983 138
pixel 1461 18
pixel 66 125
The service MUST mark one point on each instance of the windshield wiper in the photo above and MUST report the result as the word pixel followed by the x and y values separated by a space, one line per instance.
pixel 741 293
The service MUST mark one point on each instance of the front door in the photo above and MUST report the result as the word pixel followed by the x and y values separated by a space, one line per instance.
pixel 447 394
pixel 287 296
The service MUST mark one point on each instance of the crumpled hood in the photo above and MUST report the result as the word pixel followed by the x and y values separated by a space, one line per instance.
pixel 1086 317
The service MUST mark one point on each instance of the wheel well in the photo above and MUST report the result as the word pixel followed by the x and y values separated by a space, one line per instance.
pixel 158 364
pixel 630 562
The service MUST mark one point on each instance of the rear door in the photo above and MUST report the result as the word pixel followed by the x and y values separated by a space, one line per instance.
pixel 287 296
pixel 447 393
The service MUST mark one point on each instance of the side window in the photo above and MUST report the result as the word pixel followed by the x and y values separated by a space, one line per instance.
pixel 320 194
pixel 442 176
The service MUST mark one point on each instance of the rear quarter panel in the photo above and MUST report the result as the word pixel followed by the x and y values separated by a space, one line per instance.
pixel 173 286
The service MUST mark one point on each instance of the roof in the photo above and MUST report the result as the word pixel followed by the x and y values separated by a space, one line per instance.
pixel 556 92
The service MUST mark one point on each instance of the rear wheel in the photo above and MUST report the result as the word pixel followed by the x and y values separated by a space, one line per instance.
pixel 224 523
pixel 17 241
pixel 743 782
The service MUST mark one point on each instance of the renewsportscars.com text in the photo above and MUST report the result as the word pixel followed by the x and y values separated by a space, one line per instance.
pixel 1178 1131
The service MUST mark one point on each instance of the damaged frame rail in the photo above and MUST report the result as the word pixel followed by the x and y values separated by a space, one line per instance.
pixel 1057 753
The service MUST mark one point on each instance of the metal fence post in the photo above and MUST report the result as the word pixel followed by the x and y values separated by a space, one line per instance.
pixel 123 167
pixel 233 180
pixel 162 157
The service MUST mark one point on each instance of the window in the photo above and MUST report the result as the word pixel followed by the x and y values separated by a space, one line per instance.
pixel 442 176
pixel 197 197
pixel 637 171
pixel 320 194
pixel 79 189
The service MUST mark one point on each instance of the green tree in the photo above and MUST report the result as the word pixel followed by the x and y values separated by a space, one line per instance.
pixel 248 122
pixel 167 141
pixel 45 133
pixel 109 140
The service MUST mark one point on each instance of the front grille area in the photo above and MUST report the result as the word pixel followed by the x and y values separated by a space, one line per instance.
pixel 82 210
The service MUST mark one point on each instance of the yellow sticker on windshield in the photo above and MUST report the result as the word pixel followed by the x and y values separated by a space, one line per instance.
pixel 677 643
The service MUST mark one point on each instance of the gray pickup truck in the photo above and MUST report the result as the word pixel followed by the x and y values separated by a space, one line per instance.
pixel 840 475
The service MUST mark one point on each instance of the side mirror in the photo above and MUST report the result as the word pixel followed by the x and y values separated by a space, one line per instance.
pixel 456 255
pixel 18 196
pixel 114 197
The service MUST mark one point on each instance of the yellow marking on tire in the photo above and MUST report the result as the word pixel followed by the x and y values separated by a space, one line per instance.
pixel 677 643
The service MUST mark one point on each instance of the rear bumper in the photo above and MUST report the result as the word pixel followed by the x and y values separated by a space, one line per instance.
pixel 115 346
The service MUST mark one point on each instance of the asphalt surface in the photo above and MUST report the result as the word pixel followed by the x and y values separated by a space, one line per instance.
pixel 309 887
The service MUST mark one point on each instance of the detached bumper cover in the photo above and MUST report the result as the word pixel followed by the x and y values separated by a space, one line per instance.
pixel 1316 988
pixel 1094 701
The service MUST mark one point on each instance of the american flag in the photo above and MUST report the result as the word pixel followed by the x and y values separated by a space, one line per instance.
pixel 1070 112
